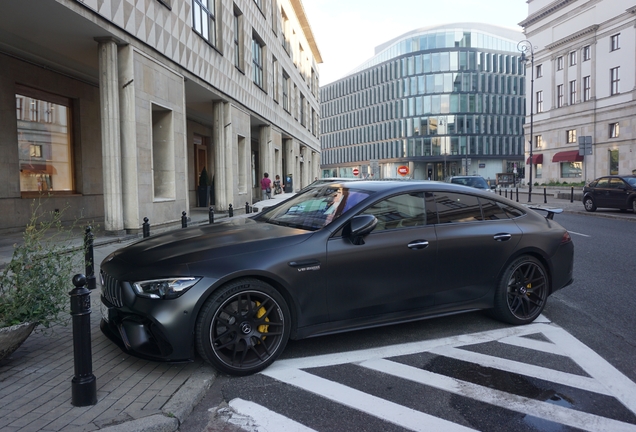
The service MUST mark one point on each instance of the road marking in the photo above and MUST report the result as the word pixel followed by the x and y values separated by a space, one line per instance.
pixel 386 410
pixel 579 234
pixel 267 420
pixel 598 376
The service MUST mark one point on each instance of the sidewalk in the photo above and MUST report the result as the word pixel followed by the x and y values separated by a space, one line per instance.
pixel 133 394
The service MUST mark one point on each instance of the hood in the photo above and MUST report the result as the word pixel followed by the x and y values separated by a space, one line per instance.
pixel 178 248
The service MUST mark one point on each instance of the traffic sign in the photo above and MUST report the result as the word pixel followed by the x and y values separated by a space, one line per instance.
pixel 585 145
pixel 403 170
pixel 356 171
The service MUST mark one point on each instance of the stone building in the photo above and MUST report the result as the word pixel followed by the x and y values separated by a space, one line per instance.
pixel 584 58
pixel 113 108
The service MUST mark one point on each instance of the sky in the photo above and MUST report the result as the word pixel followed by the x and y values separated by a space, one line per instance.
pixel 347 31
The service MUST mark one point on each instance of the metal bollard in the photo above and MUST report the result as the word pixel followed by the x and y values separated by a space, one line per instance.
pixel 247 207
pixel 545 196
pixel 572 194
pixel 517 193
pixel 184 220
pixel 211 215
pixel 506 193
pixel 146 227
pixel 84 384
pixel 231 211
pixel 499 191
pixel 89 260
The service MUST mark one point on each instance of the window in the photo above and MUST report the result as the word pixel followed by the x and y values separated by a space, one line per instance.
pixel 571 169
pixel 615 42
pixel 572 92
pixel 238 36
pixel 203 19
pixel 573 58
pixel 44 142
pixel 539 71
pixel 559 95
pixel 275 75
pixel 397 212
pixel 259 3
pixel 613 162
pixel 302 109
pixel 286 92
pixel 539 101
pixel 284 28
pixel 538 141
pixel 570 136
pixel 615 80
pixel 614 130
pixel 587 88
pixel 454 208
pixel 559 62
pixel 587 53
pixel 257 62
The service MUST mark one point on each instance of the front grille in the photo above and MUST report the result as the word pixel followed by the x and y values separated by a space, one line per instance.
pixel 111 290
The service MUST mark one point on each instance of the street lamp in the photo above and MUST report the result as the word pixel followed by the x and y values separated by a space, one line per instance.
pixel 525 46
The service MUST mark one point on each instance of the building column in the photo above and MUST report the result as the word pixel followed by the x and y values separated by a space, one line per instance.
pixel 111 149
pixel 264 152
pixel 222 147
pixel 128 122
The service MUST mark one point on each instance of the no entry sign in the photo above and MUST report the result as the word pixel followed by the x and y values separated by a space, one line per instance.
pixel 403 170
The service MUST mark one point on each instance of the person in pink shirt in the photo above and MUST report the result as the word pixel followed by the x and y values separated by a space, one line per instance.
pixel 266 187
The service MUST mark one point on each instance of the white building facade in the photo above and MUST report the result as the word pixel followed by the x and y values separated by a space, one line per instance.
pixel 583 90
pixel 113 108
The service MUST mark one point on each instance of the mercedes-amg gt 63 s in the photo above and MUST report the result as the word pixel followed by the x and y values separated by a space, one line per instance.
pixel 335 257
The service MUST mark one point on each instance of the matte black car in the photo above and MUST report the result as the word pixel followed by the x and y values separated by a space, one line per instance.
pixel 612 191
pixel 336 257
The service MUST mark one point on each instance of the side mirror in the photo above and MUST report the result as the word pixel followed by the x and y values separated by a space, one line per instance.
pixel 362 225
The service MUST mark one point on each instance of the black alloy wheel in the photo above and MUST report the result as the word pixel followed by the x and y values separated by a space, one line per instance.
pixel 522 292
pixel 243 327
pixel 589 204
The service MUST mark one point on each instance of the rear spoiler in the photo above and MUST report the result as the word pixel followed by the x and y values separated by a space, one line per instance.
pixel 550 210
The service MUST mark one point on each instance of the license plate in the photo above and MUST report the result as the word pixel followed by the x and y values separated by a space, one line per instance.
pixel 104 309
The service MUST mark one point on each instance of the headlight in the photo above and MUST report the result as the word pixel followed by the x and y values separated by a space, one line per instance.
pixel 164 288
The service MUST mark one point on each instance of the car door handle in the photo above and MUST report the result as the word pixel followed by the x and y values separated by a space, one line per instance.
pixel 502 237
pixel 418 244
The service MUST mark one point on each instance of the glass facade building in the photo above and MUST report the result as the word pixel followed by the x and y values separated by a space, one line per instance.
pixel 432 103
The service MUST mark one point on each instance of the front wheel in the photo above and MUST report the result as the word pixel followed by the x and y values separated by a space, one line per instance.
pixel 522 291
pixel 243 327
pixel 589 204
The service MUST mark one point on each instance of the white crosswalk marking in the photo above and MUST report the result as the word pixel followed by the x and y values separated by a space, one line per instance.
pixel 602 378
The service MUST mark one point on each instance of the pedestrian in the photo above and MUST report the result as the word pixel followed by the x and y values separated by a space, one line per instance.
pixel 277 186
pixel 266 187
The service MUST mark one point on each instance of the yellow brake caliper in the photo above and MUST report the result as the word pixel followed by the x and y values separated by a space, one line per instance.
pixel 259 313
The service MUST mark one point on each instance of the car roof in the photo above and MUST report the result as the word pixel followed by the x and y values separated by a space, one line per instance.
pixel 396 184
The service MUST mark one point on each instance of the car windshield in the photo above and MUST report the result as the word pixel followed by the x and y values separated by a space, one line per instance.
pixel 631 181
pixel 314 208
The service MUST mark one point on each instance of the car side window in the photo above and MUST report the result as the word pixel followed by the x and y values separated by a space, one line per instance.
pixel 603 183
pixel 616 183
pixel 399 211
pixel 491 210
pixel 455 207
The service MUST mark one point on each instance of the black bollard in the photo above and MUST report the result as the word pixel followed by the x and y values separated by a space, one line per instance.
pixel 184 220
pixel 84 384
pixel 499 191
pixel 517 193
pixel 506 193
pixel 545 196
pixel 146 227
pixel 211 215
pixel 247 207
pixel 231 211
pixel 572 194
pixel 89 261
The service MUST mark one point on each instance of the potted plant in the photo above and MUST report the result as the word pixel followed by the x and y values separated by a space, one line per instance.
pixel 203 191
pixel 34 285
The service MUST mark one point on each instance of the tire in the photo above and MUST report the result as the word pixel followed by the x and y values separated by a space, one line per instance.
pixel 243 327
pixel 522 291
pixel 634 205
pixel 589 204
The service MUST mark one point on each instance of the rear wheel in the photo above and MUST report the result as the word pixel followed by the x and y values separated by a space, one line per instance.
pixel 243 327
pixel 589 204
pixel 522 291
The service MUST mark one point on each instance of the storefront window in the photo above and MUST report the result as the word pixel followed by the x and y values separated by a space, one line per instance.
pixel 44 142
pixel 571 169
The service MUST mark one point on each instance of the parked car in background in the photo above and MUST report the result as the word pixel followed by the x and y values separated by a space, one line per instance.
pixel 473 181
pixel 335 257
pixel 612 191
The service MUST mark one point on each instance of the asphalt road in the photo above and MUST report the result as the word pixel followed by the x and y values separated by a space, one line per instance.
pixel 574 370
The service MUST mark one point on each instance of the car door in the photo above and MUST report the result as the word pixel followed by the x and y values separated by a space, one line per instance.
pixel 617 194
pixel 472 246
pixel 601 192
pixel 392 271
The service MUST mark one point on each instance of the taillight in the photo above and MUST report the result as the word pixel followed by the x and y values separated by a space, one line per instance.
pixel 566 238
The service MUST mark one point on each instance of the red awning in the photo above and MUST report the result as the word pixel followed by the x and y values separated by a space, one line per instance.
pixel 536 159
pixel 567 156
